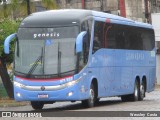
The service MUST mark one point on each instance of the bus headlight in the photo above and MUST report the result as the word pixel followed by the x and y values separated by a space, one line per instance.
pixel 17 84
pixel 72 82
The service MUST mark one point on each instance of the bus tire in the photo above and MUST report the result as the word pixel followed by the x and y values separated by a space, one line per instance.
pixel 97 100
pixel 142 92
pixel 135 95
pixel 37 105
pixel 91 101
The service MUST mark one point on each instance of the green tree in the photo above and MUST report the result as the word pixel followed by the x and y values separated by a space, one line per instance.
pixel 12 9
pixel 49 4
pixel 4 8
pixel 19 8
pixel 7 27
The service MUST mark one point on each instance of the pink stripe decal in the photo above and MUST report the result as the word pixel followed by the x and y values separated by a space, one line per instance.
pixel 44 80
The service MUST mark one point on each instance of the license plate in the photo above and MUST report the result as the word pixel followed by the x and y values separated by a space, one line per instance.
pixel 43 96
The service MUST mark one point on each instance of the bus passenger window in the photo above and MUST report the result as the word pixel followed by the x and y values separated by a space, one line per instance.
pixel 110 41
pixel 86 41
pixel 96 43
pixel 120 40
pixel 98 36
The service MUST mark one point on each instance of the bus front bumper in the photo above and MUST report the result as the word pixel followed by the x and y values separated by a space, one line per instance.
pixel 72 91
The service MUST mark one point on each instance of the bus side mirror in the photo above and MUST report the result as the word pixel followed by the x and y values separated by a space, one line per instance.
pixel 79 41
pixel 7 42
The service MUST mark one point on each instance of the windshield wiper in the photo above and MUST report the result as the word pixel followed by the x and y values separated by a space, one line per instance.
pixel 34 66
pixel 71 71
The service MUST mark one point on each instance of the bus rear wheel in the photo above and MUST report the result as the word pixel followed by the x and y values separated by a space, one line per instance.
pixel 92 97
pixel 37 105
pixel 135 95
pixel 142 92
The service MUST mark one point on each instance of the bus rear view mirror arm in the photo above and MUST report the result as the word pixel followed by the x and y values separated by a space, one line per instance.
pixel 79 41
pixel 7 42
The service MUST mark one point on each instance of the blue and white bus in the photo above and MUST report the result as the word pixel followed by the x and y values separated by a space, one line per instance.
pixel 82 55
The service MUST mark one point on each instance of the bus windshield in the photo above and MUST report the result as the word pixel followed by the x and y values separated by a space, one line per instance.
pixel 46 52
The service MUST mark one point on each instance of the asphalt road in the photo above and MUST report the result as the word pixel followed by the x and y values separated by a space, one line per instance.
pixel 150 103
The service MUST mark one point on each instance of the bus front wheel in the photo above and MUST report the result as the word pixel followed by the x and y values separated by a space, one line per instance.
pixel 37 105
pixel 92 97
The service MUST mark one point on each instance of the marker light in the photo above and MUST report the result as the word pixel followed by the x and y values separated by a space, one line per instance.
pixel 18 94
pixel 74 22
pixel 70 94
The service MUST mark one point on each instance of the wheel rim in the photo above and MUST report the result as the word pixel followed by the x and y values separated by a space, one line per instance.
pixel 142 90
pixel 136 92
pixel 91 96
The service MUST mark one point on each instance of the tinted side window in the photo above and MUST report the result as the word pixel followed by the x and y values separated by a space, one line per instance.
pixel 109 36
pixel 148 39
pixel 86 26
pixel 120 36
pixel 116 36
pixel 98 36
pixel 104 36
pixel 133 38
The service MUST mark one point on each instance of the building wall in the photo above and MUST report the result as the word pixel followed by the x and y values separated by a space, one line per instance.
pixel 135 10
pixel 155 6
pixel 110 5
pixel 99 5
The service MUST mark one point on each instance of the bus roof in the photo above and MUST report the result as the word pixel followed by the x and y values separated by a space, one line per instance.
pixel 126 21
pixel 55 18
pixel 67 17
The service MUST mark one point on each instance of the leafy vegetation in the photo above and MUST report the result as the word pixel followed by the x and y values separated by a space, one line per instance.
pixel 18 8
pixel 7 27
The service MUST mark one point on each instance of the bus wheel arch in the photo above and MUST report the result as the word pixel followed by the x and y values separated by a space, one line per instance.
pixel 93 93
